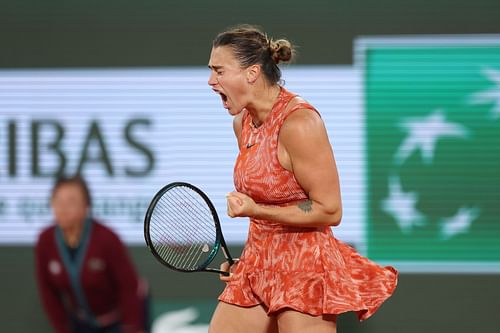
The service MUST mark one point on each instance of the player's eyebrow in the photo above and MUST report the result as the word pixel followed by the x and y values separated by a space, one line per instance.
pixel 214 67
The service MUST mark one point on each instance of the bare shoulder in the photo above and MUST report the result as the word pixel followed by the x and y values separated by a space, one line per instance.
pixel 303 134
pixel 302 122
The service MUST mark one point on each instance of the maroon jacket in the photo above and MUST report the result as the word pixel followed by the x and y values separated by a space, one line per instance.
pixel 98 285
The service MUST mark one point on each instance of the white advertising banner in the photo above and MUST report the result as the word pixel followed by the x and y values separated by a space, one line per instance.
pixel 132 131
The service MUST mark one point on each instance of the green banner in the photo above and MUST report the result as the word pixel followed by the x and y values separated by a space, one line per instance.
pixel 433 151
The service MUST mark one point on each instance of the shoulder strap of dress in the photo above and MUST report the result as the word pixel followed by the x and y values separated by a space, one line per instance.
pixel 296 103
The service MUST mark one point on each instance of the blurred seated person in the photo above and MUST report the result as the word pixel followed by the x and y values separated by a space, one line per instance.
pixel 86 280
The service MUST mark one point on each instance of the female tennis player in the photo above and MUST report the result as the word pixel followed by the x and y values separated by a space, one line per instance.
pixel 293 275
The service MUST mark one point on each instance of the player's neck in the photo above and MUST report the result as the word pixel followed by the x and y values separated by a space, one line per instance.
pixel 262 104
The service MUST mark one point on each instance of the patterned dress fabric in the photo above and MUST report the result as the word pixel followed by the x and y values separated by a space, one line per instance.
pixel 283 267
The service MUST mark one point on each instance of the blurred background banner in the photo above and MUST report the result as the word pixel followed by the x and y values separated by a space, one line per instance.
pixel 132 131
pixel 432 108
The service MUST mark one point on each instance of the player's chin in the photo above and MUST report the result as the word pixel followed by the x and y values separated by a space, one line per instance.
pixel 234 111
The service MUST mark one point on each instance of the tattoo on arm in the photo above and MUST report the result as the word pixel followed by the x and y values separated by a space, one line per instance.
pixel 306 206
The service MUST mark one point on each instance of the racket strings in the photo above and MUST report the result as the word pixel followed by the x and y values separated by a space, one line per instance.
pixel 189 246
pixel 181 218
pixel 194 243
pixel 182 229
pixel 181 251
pixel 208 228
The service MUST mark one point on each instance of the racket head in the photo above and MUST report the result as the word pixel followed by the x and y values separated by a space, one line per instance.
pixel 182 228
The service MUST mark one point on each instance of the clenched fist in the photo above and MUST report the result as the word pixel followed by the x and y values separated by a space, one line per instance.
pixel 240 205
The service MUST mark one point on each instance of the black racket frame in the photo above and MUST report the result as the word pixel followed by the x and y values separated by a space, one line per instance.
pixel 219 238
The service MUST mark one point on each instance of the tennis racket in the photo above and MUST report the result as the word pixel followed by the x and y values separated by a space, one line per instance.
pixel 182 229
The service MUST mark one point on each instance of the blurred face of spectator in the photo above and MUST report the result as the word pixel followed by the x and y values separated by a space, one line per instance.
pixel 69 205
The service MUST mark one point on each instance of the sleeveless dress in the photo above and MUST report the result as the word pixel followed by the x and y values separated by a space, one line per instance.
pixel 304 269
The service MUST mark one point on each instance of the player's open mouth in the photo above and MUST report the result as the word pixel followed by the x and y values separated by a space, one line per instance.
pixel 224 100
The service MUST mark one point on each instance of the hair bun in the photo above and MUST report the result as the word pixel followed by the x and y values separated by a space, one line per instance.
pixel 281 50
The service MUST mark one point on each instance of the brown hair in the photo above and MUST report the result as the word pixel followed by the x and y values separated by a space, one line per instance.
pixel 77 180
pixel 251 46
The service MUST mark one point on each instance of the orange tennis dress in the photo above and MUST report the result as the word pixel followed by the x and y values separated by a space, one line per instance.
pixel 305 269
